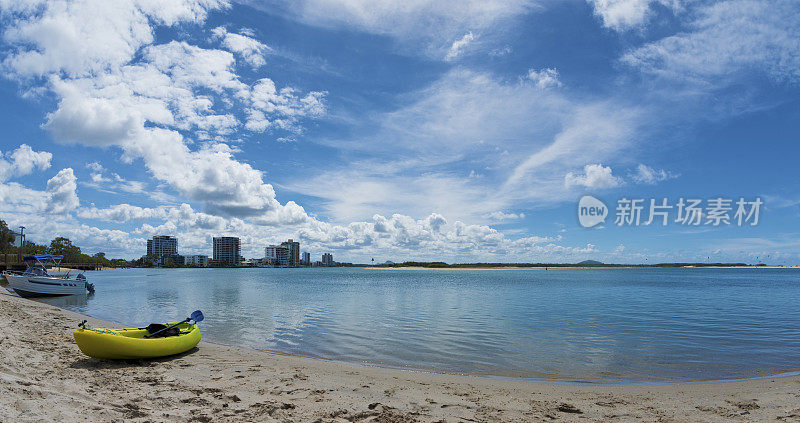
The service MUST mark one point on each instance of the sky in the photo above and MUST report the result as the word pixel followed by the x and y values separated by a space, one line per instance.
pixel 405 130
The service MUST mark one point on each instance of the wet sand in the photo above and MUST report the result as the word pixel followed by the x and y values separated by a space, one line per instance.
pixel 44 377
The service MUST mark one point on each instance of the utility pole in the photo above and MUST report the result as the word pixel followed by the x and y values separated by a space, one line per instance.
pixel 21 240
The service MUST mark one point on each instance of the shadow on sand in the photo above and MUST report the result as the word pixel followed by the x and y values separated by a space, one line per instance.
pixel 90 363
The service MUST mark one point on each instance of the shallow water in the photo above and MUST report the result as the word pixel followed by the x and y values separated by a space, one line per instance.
pixel 604 325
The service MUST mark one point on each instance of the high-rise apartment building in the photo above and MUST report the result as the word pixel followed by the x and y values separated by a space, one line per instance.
pixel 279 254
pixel 327 259
pixel 226 251
pixel 161 247
pixel 294 251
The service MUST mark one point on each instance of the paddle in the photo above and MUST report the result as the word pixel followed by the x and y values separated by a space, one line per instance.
pixel 197 316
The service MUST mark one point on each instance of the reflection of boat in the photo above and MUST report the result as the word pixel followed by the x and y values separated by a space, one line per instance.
pixel 36 282
pixel 68 301
pixel 130 343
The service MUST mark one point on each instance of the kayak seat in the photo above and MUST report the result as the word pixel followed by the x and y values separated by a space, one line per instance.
pixel 155 327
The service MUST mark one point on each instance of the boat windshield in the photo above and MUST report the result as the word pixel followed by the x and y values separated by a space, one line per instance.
pixel 37 263
pixel 36 270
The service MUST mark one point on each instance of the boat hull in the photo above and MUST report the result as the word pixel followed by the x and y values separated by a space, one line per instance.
pixel 130 344
pixel 40 286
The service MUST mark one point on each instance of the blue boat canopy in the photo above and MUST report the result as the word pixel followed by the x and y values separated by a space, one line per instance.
pixel 42 257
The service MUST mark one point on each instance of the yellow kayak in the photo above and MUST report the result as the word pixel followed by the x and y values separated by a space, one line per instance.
pixel 130 343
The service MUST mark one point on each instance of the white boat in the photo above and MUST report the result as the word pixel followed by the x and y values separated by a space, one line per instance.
pixel 36 282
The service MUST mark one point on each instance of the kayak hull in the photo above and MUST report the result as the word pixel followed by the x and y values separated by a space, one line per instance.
pixel 130 343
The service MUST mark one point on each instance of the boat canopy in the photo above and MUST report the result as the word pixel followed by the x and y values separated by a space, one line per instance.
pixel 41 257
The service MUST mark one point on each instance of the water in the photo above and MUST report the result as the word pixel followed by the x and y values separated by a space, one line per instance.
pixel 600 325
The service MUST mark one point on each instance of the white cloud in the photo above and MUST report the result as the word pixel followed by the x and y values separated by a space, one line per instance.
pixel 545 78
pixel 271 108
pixel 112 182
pixel 595 176
pixel 647 175
pixel 521 139
pixel 82 37
pixel 621 15
pixel 139 104
pixel 115 88
pixel 499 215
pixel 61 192
pixel 122 213
pixel 428 20
pixel 251 50
pixel 458 46
pixel 22 161
pixel 726 40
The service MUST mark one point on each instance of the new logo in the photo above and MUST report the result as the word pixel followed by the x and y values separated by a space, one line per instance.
pixel 591 211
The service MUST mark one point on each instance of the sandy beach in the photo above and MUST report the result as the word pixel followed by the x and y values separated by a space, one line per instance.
pixel 46 378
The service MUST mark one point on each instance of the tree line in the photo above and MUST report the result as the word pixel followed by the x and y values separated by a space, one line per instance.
pixel 59 246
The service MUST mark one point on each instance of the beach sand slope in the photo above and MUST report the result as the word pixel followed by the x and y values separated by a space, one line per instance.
pixel 44 377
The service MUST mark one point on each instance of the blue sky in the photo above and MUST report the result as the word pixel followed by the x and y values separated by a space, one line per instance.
pixel 456 131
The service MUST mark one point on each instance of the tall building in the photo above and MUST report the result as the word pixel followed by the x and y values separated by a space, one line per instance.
pixel 294 251
pixel 306 261
pixel 226 251
pixel 327 259
pixel 279 255
pixel 162 247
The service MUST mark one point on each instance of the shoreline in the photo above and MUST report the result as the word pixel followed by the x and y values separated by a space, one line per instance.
pixel 49 379
pixel 572 267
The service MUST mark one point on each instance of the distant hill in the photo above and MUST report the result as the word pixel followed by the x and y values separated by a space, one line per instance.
pixel 590 263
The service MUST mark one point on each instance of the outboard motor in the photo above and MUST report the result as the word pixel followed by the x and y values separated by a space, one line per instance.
pixel 89 286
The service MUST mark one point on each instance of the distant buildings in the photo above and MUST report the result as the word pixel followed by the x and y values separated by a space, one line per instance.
pixel 278 255
pixel 196 260
pixel 162 250
pixel 226 251
pixel 163 247
pixel 294 251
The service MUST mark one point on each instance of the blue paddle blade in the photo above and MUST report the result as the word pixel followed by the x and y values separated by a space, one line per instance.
pixel 197 316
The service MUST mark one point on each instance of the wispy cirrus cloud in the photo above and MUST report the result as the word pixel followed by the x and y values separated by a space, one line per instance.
pixel 725 41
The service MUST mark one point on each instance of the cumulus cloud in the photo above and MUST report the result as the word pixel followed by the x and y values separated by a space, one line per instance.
pixel 621 15
pixel 141 102
pixel 61 192
pixel 250 49
pixel 545 78
pixel 594 176
pixel 647 175
pixel 78 38
pixel 168 107
pixel 458 46
pixel 122 213
pixel 22 161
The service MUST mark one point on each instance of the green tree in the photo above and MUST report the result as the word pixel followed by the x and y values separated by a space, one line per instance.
pixel 64 247
pixel 100 258
pixel 5 238
pixel 32 248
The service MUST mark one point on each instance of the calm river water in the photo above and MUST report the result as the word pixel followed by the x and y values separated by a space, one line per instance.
pixel 616 325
